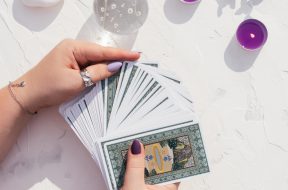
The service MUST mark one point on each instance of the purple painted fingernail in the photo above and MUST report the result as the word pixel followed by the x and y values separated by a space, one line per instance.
pixel 136 147
pixel 114 66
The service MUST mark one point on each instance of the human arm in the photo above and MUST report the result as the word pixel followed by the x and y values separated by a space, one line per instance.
pixel 55 79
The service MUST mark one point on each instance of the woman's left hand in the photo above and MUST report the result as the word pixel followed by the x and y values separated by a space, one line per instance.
pixel 57 77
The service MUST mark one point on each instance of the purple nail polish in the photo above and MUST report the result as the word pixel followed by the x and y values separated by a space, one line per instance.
pixel 114 66
pixel 136 147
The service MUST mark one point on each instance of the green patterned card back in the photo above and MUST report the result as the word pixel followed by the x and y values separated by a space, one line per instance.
pixel 170 155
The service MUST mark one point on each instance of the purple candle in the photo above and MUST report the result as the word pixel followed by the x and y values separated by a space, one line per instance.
pixel 252 34
pixel 189 1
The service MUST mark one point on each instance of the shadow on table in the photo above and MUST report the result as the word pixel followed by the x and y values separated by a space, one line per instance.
pixel 223 3
pixel 178 12
pixel 246 6
pixel 92 32
pixel 237 58
pixel 49 154
pixel 35 19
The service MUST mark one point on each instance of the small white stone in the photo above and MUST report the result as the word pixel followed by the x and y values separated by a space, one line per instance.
pixel 40 3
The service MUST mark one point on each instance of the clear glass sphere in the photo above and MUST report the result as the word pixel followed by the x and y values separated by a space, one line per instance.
pixel 121 16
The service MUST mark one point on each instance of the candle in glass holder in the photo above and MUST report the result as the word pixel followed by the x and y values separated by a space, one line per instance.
pixel 189 1
pixel 252 34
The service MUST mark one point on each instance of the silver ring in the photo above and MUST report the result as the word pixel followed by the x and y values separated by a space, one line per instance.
pixel 86 78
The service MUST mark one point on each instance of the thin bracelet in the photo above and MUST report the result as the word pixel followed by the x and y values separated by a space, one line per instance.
pixel 16 100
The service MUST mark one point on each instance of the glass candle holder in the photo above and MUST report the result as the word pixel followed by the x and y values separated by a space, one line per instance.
pixel 252 34
pixel 121 16
pixel 190 1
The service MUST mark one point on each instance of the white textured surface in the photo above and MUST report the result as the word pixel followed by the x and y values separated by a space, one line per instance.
pixel 241 97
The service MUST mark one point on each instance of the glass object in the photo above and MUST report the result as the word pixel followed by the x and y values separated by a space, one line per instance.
pixel 190 1
pixel 121 16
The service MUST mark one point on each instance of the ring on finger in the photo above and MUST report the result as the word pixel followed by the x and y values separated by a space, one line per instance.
pixel 85 75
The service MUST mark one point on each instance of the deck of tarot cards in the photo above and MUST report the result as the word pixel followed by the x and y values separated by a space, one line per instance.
pixel 139 102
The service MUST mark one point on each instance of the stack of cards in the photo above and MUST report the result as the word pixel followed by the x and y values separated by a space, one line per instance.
pixel 139 102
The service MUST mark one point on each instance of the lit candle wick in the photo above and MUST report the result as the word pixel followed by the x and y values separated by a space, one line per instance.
pixel 252 35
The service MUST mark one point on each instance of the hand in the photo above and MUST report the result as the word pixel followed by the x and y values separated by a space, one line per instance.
pixel 134 177
pixel 57 77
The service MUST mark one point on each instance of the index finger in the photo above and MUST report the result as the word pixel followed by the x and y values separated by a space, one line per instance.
pixel 85 52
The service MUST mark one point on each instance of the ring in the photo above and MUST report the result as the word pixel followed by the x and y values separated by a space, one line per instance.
pixel 86 78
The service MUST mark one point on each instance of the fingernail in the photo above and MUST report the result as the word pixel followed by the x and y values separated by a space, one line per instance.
pixel 136 147
pixel 135 52
pixel 114 66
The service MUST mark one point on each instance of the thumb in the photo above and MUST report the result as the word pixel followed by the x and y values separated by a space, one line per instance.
pixel 134 176
pixel 101 71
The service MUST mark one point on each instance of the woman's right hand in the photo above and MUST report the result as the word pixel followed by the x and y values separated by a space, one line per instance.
pixel 134 176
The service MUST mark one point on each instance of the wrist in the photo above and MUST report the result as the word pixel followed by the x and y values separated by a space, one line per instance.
pixel 21 91
pixel 10 105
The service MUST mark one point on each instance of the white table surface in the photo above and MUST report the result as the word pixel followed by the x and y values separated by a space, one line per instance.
pixel 241 97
